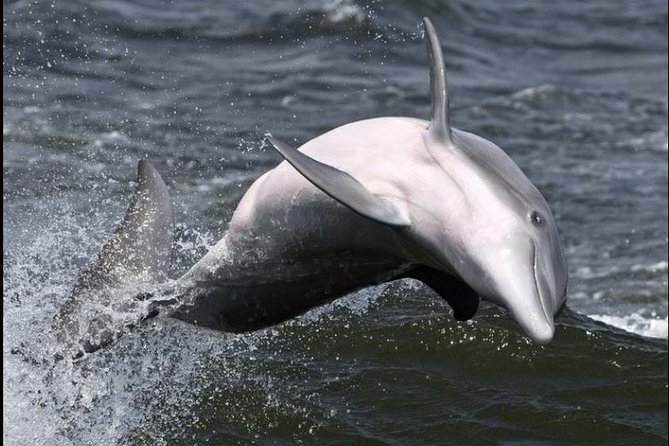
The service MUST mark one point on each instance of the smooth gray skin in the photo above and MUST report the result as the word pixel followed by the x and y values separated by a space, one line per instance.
pixel 137 253
pixel 366 203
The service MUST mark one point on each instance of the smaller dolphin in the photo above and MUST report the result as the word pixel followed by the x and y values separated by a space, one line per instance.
pixel 366 203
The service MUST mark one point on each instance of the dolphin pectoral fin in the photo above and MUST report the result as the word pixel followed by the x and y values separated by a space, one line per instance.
pixel 138 252
pixel 440 127
pixel 462 299
pixel 344 188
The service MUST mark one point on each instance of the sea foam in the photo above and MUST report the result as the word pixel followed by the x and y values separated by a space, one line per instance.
pixel 636 323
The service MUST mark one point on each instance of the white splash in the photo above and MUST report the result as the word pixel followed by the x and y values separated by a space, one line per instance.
pixel 635 323
pixel 151 385
pixel 344 10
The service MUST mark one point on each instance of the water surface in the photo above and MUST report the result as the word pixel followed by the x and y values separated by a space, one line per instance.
pixel 575 92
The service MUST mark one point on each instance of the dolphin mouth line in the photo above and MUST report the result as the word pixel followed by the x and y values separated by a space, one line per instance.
pixel 536 281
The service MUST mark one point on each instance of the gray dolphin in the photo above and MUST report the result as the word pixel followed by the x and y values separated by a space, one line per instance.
pixel 379 200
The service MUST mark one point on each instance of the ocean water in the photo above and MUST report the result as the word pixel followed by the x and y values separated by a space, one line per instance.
pixel 575 92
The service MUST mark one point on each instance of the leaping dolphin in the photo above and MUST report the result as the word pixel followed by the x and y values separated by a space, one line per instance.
pixel 370 202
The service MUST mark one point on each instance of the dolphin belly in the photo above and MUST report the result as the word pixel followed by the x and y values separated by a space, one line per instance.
pixel 274 294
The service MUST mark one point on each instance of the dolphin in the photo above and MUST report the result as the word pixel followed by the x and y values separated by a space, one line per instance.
pixel 375 201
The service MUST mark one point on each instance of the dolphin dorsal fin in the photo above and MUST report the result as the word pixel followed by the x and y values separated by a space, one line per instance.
pixel 440 127
pixel 344 188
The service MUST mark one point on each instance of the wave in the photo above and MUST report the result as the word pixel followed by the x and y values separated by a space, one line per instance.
pixel 239 23
pixel 636 323
pixel 166 380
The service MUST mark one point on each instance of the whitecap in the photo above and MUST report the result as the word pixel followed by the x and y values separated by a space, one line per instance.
pixel 653 268
pixel 344 10
pixel 635 323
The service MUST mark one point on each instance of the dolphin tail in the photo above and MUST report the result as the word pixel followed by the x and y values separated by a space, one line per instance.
pixel 138 252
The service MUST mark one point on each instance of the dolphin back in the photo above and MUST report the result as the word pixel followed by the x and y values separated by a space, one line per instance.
pixel 137 253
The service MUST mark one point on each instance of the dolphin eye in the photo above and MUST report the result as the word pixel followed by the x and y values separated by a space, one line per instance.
pixel 536 218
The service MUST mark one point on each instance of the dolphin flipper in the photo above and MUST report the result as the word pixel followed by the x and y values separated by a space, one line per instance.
pixel 463 300
pixel 344 188
pixel 138 252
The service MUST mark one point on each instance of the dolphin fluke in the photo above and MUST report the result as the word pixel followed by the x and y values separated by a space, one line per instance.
pixel 141 245
pixel 138 252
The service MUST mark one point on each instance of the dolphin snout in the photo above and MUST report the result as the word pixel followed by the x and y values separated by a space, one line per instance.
pixel 533 315
pixel 542 326
pixel 526 292
pixel 536 318
pixel 541 331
